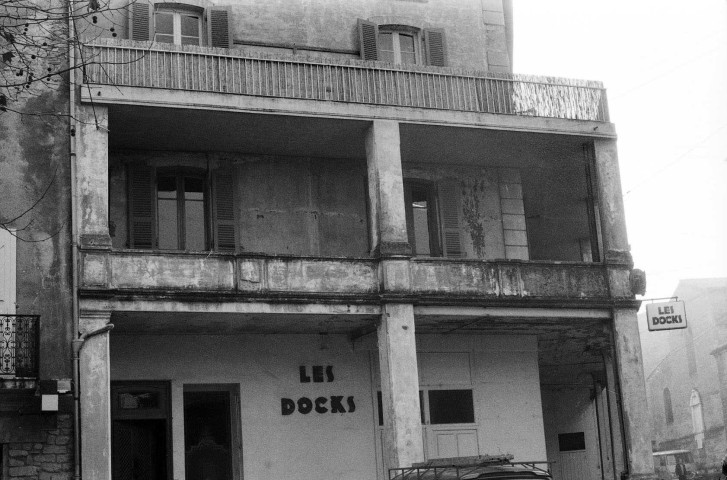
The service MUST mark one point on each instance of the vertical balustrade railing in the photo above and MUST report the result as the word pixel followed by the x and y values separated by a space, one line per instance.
pixel 348 81
pixel 19 346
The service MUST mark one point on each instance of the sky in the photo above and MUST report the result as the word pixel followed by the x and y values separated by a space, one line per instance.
pixel 664 65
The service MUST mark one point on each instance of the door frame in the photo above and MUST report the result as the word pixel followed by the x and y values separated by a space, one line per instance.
pixel 233 389
pixel 164 412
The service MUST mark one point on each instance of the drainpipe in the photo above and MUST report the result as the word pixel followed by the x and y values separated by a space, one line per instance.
pixel 74 240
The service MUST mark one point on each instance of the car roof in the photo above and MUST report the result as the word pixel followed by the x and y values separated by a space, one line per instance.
pixel 489 472
pixel 671 452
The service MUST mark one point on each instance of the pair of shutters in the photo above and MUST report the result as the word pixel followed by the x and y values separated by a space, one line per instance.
pixel 142 209
pixel 219 28
pixel 433 43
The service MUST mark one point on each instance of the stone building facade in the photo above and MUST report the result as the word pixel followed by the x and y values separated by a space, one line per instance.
pixel 327 239
pixel 685 379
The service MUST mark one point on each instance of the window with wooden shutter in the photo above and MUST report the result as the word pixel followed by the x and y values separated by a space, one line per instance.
pixel 224 211
pixel 219 27
pixel 435 47
pixel 140 21
pixel 141 207
pixel 368 37
pixel 449 203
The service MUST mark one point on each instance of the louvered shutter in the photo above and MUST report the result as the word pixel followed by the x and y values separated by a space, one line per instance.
pixel 219 27
pixel 434 42
pixel 223 206
pixel 140 21
pixel 141 207
pixel 368 33
pixel 449 204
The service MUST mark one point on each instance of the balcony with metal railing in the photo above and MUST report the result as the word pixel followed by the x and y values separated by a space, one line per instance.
pixel 19 349
pixel 118 64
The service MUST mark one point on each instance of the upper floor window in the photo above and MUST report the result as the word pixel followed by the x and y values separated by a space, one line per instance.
pixel 433 218
pixel 178 26
pixel 668 411
pixel 178 209
pixel 401 44
pixel 397 46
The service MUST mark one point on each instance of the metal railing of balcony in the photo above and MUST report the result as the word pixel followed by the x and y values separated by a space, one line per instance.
pixel 143 64
pixel 19 346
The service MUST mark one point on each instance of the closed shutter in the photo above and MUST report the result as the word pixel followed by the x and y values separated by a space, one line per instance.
pixel 224 211
pixel 141 207
pixel 368 33
pixel 219 27
pixel 140 18
pixel 434 41
pixel 449 204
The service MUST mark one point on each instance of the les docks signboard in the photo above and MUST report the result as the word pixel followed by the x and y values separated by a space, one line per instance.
pixel 666 315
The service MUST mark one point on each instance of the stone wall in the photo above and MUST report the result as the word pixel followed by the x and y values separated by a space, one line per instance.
pixel 48 460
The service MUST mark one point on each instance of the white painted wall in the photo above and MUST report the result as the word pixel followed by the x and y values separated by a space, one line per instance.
pixel 7 272
pixel 569 410
pixel 502 371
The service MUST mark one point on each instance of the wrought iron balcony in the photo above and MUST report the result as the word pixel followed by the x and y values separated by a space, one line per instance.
pixel 200 69
pixel 19 346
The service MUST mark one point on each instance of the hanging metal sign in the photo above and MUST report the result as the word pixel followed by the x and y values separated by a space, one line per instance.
pixel 666 315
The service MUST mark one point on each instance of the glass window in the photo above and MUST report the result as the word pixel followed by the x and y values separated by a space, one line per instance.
pixel 177 26
pixel 397 47
pixel 208 435
pixel 421 218
pixel 451 406
pixel 181 212
pixel 569 442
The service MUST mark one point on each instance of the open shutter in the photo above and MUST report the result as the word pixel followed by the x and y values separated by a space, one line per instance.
pixel 368 33
pixel 140 21
pixel 141 207
pixel 449 204
pixel 219 27
pixel 434 42
pixel 223 206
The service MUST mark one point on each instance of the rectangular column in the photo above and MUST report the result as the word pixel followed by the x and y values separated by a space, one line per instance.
pixel 613 406
pixel 636 417
pixel 95 396
pixel 611 206
pixel 403 443
pixel 92 177
pixel 386 190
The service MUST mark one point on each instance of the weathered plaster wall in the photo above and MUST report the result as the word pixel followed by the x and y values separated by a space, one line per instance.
pixel 285 205
pixel 474 29
pixel 35 179
pixel 570 410
pixel 502 371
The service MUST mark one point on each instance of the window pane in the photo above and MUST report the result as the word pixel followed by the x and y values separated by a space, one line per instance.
pixel 164 38
pixel 190 26
pixel 194 214
pixel 451 406
pixel 190 40
pixel 406 43
pixel 164 23
pixel 569 442
pixel 386 41
pixel 167 212
pixel 409 58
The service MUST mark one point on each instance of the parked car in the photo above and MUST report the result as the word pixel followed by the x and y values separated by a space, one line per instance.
pixel 665 463
pixel 473 468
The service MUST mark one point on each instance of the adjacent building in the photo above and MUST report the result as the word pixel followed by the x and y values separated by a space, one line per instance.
pixel 325 239
pixel 685 375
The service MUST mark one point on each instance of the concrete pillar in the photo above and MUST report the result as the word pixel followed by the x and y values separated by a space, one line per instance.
pixel 95 377
pixel 720 356
pixel 403 443
pixel 611 206
pixel 613 407
pixel 630 370
pixel 92 177
pixel 386 190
